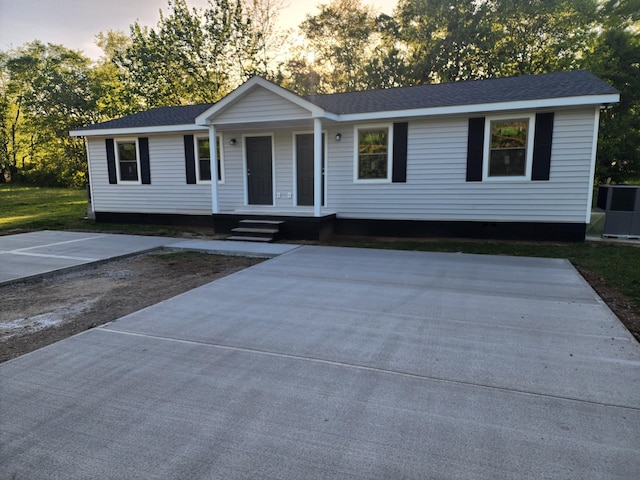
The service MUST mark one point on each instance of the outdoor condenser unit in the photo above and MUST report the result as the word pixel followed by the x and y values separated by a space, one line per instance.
pixel 621 204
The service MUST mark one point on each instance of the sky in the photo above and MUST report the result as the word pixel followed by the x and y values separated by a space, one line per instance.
pixel 75 23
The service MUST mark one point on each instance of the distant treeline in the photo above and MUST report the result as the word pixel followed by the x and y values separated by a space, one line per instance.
pixel 200 55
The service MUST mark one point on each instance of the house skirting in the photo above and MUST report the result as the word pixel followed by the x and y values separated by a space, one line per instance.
pixel 322 228
pixel 294 227
pixel 155 219
pixel 565 232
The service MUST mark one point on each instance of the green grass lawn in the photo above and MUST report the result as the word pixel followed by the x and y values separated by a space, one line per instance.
pixel 33 208
pixel 616 266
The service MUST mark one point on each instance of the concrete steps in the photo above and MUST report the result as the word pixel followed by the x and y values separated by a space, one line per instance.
pixel 256 230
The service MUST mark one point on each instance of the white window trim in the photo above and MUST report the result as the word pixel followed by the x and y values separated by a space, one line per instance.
pixel 196 149
pixel 117 155
pixel 356 156
pixel 531 118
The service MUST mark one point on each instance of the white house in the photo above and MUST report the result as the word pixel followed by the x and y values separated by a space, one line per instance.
pixel 507 157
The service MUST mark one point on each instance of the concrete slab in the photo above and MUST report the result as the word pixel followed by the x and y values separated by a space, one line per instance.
pixel 230 247
pixel 339 363
pixel 31 254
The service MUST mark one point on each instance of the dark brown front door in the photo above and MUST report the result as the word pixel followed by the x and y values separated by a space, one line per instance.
pixel 259 170
pixel 304 166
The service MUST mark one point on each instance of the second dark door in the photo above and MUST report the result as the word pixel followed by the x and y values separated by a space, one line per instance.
pixel 304 167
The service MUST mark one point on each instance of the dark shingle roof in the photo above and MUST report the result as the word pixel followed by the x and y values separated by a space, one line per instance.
pixel 156 117
pixel 529 87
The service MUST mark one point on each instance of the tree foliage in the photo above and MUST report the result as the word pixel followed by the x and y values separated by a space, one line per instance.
pixel 192 56
pixel 199 55
pixel 46 92
pixel 338 42
pixel 616 58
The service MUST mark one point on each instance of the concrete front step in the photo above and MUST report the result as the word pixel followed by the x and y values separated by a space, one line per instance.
pixel 257 230
pixel 263 231
pixel 242 238
pixel 262 222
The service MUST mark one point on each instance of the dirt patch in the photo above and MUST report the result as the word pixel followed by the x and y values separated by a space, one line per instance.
pixel 40 312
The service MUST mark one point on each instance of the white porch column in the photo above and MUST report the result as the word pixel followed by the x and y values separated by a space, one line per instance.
pixel 213 154
pixel 317 167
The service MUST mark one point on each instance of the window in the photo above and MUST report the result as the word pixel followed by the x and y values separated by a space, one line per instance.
pixel 127 161
pixel 510 148
pixel 373 153
pixel 203 161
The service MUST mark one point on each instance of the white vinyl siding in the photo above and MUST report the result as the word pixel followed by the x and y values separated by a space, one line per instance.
pixel 261 105
pixel 435 188
pixel 436 169
pixel 168 192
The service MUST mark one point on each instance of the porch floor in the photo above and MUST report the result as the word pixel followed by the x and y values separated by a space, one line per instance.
pixel 278 212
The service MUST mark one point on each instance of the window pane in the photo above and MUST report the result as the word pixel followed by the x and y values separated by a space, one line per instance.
pixel 509 134
pixel 129 171
pixel 372 154
pixel 204 159
pixel 205 170
pixel 219 158
pixel 127 151
pixel 127 158
pixel 507 162
pixel 508 155
pixel 203 149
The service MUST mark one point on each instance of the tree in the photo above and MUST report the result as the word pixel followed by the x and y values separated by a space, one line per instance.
pixel 443 40
pixel 10 116
pixel 616 59
pixel 339 40
pixel 48 93
pixel 537 36
pixel 192 56
pixel 111 85
pixel 268 41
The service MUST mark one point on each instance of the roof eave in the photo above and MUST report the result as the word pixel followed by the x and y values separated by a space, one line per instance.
pixel 584 100
pixel 101 132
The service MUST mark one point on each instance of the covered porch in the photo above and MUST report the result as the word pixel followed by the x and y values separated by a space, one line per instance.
pixel 273 145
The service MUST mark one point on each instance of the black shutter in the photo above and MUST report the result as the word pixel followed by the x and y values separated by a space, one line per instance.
pixel 145 169
pixel 399 173
pixel 475 149
pixel 542 146
pixel 111 160
pixel 190 159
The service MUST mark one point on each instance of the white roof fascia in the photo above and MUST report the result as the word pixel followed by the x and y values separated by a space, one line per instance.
pixel 483 107
pixel 135 130
pixel 329 116
pixel 254 82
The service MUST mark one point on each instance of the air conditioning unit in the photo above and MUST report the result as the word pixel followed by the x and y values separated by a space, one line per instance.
pixel 621 204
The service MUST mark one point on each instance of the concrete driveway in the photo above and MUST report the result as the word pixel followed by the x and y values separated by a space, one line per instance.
pixel 34 254
pixel 339 363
